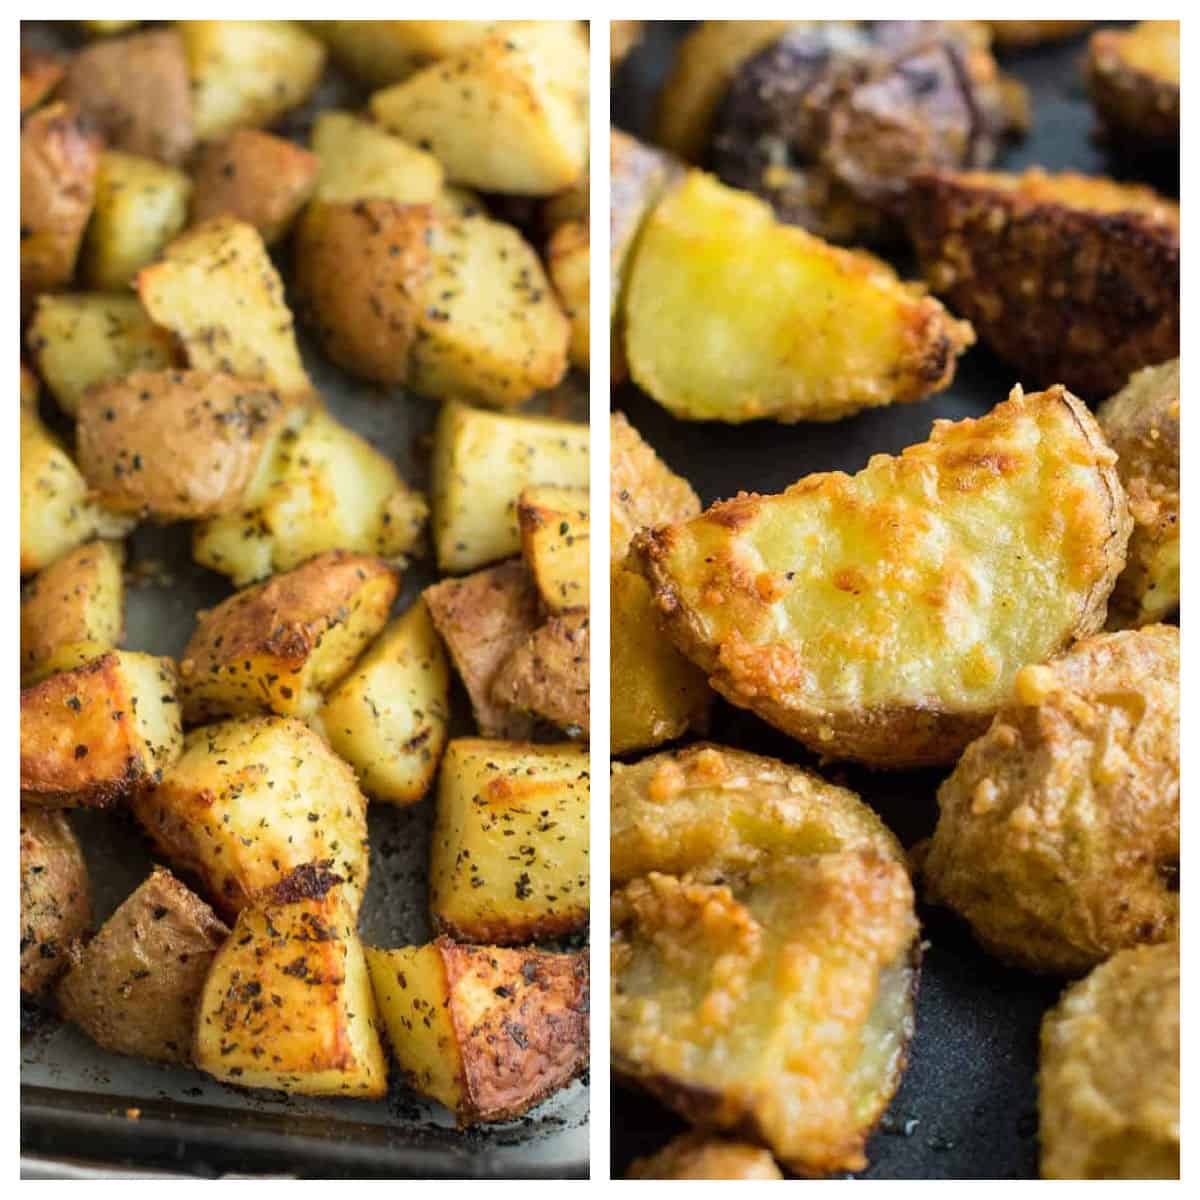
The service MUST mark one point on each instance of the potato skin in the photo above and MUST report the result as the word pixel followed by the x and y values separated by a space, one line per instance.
pixel 699 1155
pixel 1133 78
pixel 547 675
pixel 134 987
pixel 1059 831
pixel 56 904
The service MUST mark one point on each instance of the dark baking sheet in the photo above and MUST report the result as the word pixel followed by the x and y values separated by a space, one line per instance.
pixel 967 1108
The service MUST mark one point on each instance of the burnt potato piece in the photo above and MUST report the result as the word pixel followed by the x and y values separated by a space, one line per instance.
pixel 56 904
pixel 134 988
pixel 1133 78
pixel 702 1156
pixel 1109 1080
pixel 1070 279
pixel 1058 838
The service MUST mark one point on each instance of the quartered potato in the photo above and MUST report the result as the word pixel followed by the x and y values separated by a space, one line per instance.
pixel 135 986
pixel 555 543
pixel 509 862
pixel 702 1156
pixel 568 261
pixel 486 1031
pixel 1059 831
pixel 56 905
pixel 288 1002
pixel 280 645
pixel 383 52
pixel 72 611
pixel 250 800
pixel 40 75
pixel 92 735
pixel 362 161
pixel 841 333
pixel 883 616
pixel 547 674
pixel 1071 279
pixel 1133 77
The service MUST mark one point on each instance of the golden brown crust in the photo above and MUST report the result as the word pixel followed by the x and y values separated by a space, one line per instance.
pixel 1133 78
pixel 699 1155
pixel 40 74
pixel 547 674
pixel 55 899
pixel 1015 35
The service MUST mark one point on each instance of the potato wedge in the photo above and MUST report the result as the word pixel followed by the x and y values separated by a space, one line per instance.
pixel 40 75
pixel 280 645
pixel 217 290
pixel 881 616
pixel 1072 280
pixel 250 800
pixel 568 261
pixel 555 542
pixel 362 161
pixel 288 1002
pixel 56 905
pixel 842 333
pixel 1133 78
pixel 135 987
pixel 547 674
pixel 389 718
pixel 383 52
pixel 94 734
pixel 509 859
pixel 482 462
pixel 698 1155
pixel 72 611
pixel 486 1031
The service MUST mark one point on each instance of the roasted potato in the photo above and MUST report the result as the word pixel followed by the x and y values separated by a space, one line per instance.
pixel 60 155
pixel 1133 78
pixel 1109 1080
pixel 842 333
pixel 324 488
pixel 880 616
pixel 383 52
pixel 483 618
pixel 568 261
pixel 702 1156
pixel 40 75
pixel 280 645
pixel 136 91
pixel 555 543
pixel 547 674
pixel 288 1002
pixel 1070 279
pixel 218 291
pixel 362 161
pixel 482 462
pixel 1058 838
pixel 509 859
pixel 623 36
pixel 487 1032
pixel 507 114
pixel 56 904
pixel 85 338
pixel 94 734
pixel 97 29
pixel 389 717
pixel 72 611
pixel 135 987
pixel 250 800
pixel 1017 35
pixel 257 178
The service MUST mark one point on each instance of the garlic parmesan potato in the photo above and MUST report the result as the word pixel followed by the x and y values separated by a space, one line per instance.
pixel 56 905
pixel 555 525
pixel 288 1002
pixel 702 1156
pixel 488 1032
pixel 1133 78
pixel 884 616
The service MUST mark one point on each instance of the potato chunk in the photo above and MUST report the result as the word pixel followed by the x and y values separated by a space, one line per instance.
pixel 93 734
pixel 510 843
pixel 56 905
pixel 487 1032
pixel 1133 78
pixel 362 161
pixel 250 800
pixel 280 645
pixel 555 543
pixel 568 260
pixel 383 52
pixel 883 616
pixel 72 611
pixel 288 1002
pixel 701 1156
pixel 40 75
pixel 842 332
pixel 134 988
pixel 389 717
pixel 547 674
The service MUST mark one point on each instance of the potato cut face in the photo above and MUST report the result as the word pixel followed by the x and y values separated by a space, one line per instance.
pixel 547 675
pixel 73 611
pixel 488 1032
pixel 569 262
pixel 296 942
pixel 362 161
pixel 135 987
pixel 482 462
pixel 389 717
pixel 510 844
pixel 250 800
pixel 555 525
pixel 383 52
pixel 883 616
pixel 280 645
pixel 842 333
pixel 85 338
pixel 94 734
pixel 217 290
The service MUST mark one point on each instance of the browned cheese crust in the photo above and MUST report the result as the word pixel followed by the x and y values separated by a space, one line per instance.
pixel 702 1156
pixel 1133 78
pixel 55 899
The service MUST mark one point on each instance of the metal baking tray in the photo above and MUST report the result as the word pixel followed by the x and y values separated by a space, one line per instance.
pixel 79 1101
pixel 967 1108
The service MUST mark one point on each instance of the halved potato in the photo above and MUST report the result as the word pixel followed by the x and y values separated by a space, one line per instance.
pixel 250 800
pixel 487 1032
pixel 288 1002
pixel 547 674
pixel 383 52
pixel 362 161
pixel 568 260
pixel 509 860
pixel 135 986
pixel 699 1155
pixel 56 905
pixel 883 616
pixel 96 733
pixel 842 332
pixel 1133 77
pixel 280 645
pixel 40 75
pixel 555 543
